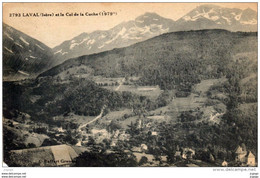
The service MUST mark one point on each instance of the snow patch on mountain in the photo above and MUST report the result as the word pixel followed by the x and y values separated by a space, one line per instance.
pixel 90 42
pixel 146 29
pixel 227 19
pixel 59 51
pixel 22 72
pixel 250 22
pixel 8 36
pixel 101 46
pixel 214 18
pixel 24 41
pixel 237 17
pixel 18 44
pixel 187 18
pixel 102 36
pixel 120 33
pixel 140 21
pixel 73 45
pixel 39 47
pixel 207 15
pixel 84 40
pixel 9 50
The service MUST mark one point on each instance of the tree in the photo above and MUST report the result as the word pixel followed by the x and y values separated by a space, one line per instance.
pixel 113 126
pixel 31 145
pixel 101 159
pixel 143 160
pixel 49 142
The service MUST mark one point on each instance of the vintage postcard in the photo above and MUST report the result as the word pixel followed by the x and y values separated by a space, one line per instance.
pixel 130 84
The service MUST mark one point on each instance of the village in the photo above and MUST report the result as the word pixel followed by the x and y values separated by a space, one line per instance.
pixel 72 141
pixel 158 137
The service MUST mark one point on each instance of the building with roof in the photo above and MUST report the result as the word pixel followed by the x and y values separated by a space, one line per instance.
pixel 240 154
pixel 251 159
pixel 246 158
pixel 224 164
pixel 48 156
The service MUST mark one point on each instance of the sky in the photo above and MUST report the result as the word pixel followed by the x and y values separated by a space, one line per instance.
pixel 52 31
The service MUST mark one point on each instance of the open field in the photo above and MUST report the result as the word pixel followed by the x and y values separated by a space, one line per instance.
pixel 149 91
pixel 79 71
pixel 116 115
pixel 195 101
pixel 106 81
pixel 128 121
pixel 76 118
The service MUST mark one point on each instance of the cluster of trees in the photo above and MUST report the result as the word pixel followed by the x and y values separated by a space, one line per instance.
pixel 96 158
pixel 82 97
pixel 108 84
pixel 241 112
pixel 175 60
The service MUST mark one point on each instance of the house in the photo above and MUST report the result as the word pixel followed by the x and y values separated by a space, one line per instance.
pixel 154 133
pixel 124 136
pixel 240 154
pixel 141 149
pixel 211 157
pixel 116 134
pixel 244 157
pixel 251 159
pixel 177 154
pixel 113 143
pixel 139 124
pixel 136 149
pixel 224 164
pixel 164 158
pixel 79 143
pixel 50 156
pixel 144 147
pixel 60 130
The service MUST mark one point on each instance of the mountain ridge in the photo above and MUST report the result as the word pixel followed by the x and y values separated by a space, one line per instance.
pixel 91 58
pixel 23 56
pixel 151 24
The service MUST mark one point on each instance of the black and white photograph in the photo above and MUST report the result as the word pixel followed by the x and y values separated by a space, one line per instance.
pixel 130 85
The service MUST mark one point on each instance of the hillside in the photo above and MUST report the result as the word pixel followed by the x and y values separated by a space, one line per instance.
pixel 173 59
pixel 23 56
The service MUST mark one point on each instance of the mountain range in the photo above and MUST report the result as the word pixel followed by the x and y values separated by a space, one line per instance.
pixel 151 24
pixel 23 56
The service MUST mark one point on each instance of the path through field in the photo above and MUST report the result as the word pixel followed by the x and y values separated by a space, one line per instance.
pixel 102 110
